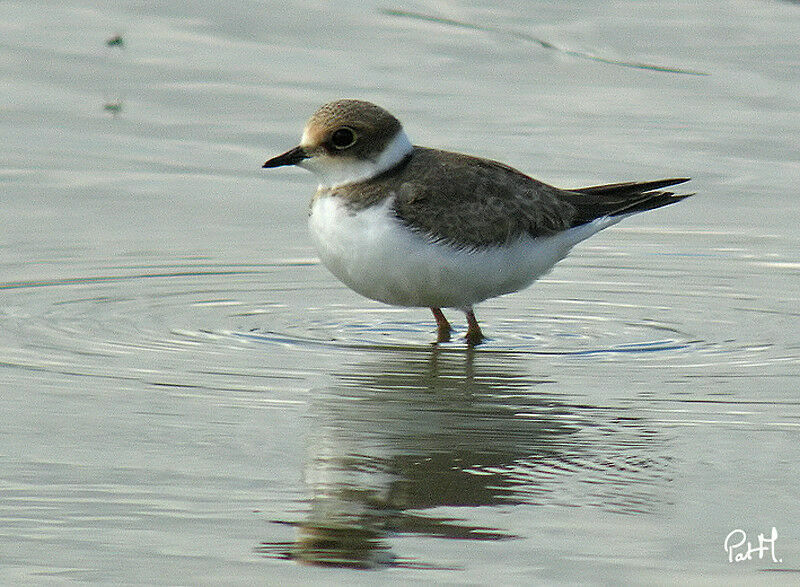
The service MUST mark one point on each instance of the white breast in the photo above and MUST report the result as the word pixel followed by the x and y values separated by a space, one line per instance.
pixel 374 254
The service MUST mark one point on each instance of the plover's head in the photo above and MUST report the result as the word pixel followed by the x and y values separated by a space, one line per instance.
pixel 348 141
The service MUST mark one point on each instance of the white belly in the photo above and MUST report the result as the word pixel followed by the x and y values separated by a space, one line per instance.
pixel 378 257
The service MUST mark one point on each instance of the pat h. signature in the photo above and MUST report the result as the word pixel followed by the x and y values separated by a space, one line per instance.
pixel 740 549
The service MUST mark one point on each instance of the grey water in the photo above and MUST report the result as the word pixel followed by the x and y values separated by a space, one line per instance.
pixel 187 396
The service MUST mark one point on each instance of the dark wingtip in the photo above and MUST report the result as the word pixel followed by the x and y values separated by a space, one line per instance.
pixel 676 181
pixel 630 187
pixel 618 199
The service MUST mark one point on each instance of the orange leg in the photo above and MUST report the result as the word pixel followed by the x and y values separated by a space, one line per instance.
pixel 443 326
pixel 474 334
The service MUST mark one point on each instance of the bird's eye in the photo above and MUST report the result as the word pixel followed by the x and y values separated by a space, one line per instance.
pixel 343 137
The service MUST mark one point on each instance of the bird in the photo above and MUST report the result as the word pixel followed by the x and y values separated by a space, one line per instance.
pixel 422 227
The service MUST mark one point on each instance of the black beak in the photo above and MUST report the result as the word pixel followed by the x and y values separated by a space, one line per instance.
pixel 292 157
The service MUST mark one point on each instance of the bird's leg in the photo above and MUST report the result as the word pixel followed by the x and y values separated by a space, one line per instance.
pixel 474 334
pixel 443 326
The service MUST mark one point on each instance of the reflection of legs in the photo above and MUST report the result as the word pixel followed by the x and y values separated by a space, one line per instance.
pixel 443 333
pixel 474 334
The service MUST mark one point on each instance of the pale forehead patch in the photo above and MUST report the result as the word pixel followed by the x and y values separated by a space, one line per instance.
pixel 313 135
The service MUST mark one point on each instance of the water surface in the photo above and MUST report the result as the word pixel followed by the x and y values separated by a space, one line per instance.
pixel 187 396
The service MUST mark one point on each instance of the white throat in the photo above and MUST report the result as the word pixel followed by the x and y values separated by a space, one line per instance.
pixel 337 171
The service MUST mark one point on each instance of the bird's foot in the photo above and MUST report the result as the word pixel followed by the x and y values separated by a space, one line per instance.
pixel 443 327
pixel 474 335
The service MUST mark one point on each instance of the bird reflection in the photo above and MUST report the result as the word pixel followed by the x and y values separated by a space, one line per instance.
pixel 396 439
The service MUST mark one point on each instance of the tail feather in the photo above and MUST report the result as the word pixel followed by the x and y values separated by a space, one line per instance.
pixel 617 199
